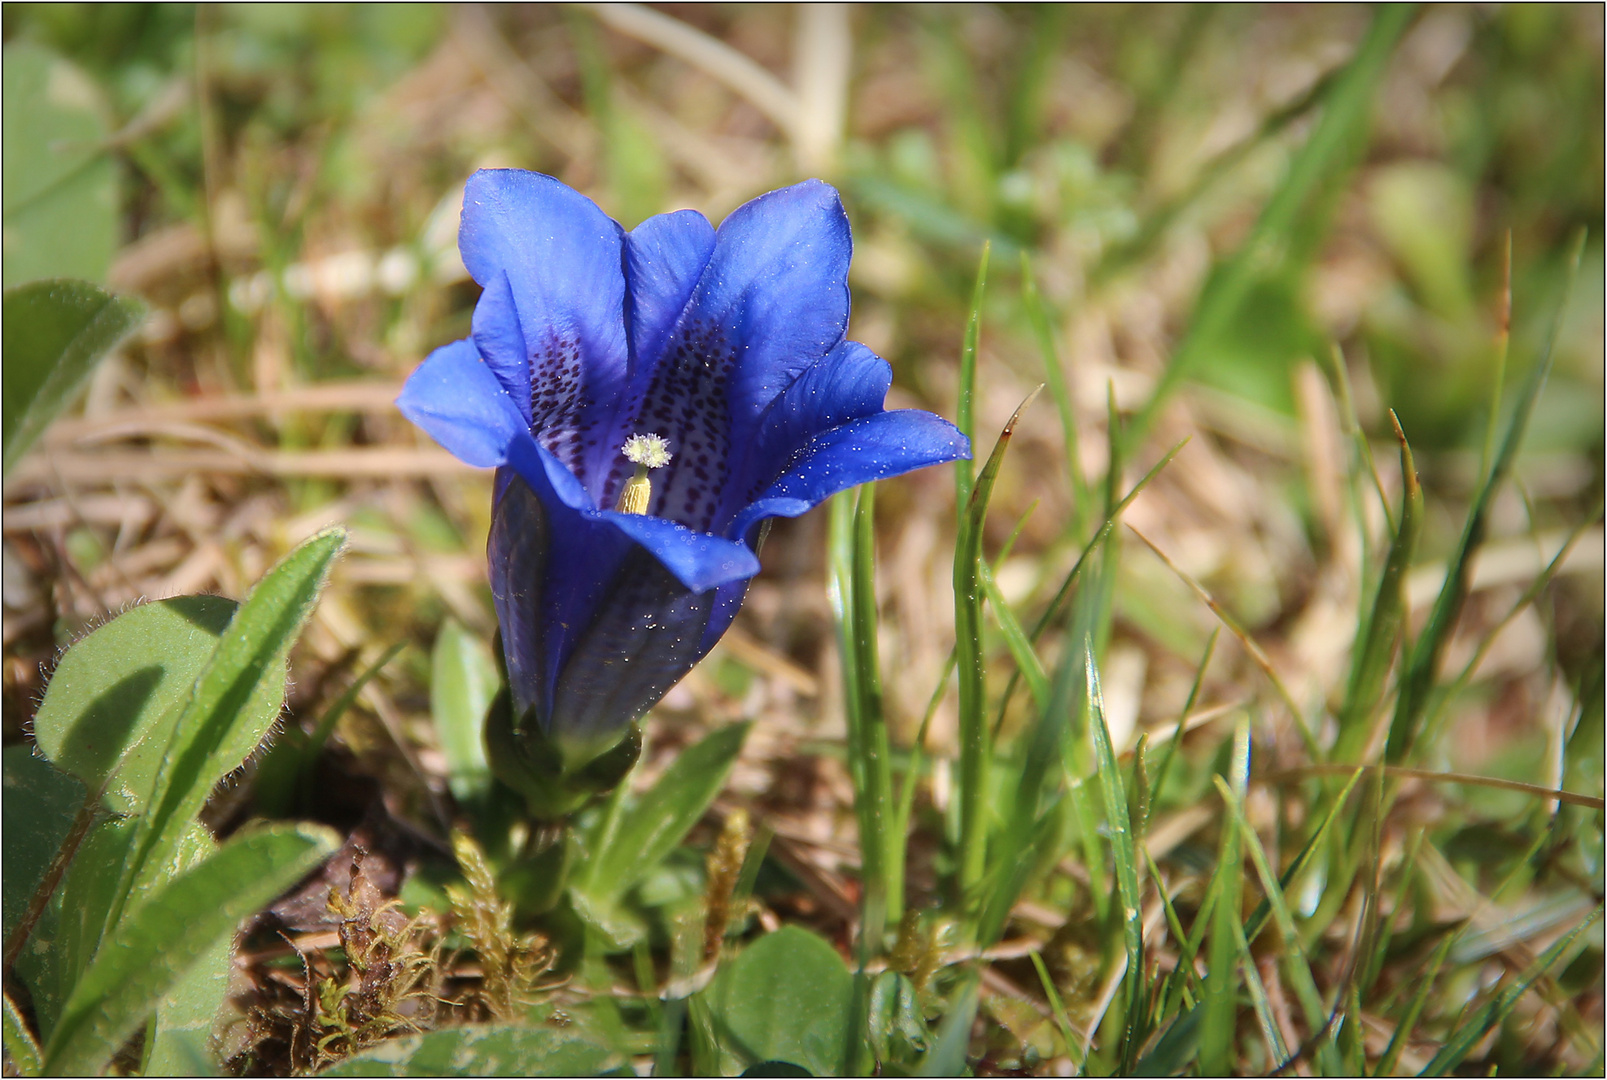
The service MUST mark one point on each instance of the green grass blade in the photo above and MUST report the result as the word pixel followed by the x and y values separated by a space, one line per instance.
pixel 1345 114
pixel 1165 768
pixel 947 1056
pixel 975 748
pixel 1122 848
pixel 881 850
pixel 1260 1004
pixel 327 722
pixel 1015 637
pixel 1174 924
pixel 19 1041
pixel 1176 1048
pixel 1408 1021
pixel 1021 832
pixel 644 834
pixel 1224 959
pixel 1299 967
pixel 1386 624
pixel 1263 911
pixel 1246 639
pixel 1057 1008
pixel 165 935
pixel 1417 682
pixel 1495 1011
pixel 1530 595
pixel 965 409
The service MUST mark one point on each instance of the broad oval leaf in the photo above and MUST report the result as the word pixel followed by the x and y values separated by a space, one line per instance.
pixel 55 332
pixel 162 939
pixel 111 704
pixel 40 803
pixel 787 997
pixel 61 209
pixel 494 1050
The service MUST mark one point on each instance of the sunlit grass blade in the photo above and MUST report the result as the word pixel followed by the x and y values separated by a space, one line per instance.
pixel 1503 345
pixel 24 1051
pixel 1024 815
pixel 1386 623
pixel 1121 843
pixel 1057 1008
pixel 1297 964
pixel 1421 669
pixel 1176 1047
pixel 974 735
pixel 1530 594
pixel 1224 960
pixel 1174 925
pixel 1320 162
pixel 965 408
pixel 1496 1009
pixel 881 850
pixel 1027 662
pixel 1260 1003
pixel 1157 222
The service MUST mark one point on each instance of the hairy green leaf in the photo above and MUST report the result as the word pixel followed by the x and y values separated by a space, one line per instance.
pixel 56 331
pixel 163 938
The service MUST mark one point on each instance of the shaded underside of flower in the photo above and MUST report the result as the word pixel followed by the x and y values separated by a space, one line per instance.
pixel 713 360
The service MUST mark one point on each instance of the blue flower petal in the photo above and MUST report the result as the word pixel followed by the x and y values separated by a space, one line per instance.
pixel 545 473
pixel 562 257
pixel 664 258
pixel 772 301
pixel 455 397
pixel 872 448
pixel 496 334
pixel 552 565
pixel 595 627
pixel 778 283
pixel 641 642
pixel 517 555
pixel 727 602
pixel 698 560
pixel 848 383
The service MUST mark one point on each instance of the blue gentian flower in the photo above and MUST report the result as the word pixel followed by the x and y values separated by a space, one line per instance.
pixel 722 349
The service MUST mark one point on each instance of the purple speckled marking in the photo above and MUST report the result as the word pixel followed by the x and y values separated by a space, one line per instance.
pixel 685 403
pixel 557 399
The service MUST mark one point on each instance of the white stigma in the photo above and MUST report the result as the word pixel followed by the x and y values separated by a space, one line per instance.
pixel 648 451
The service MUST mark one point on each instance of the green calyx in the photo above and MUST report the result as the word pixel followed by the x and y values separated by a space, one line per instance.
pixel 522 757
